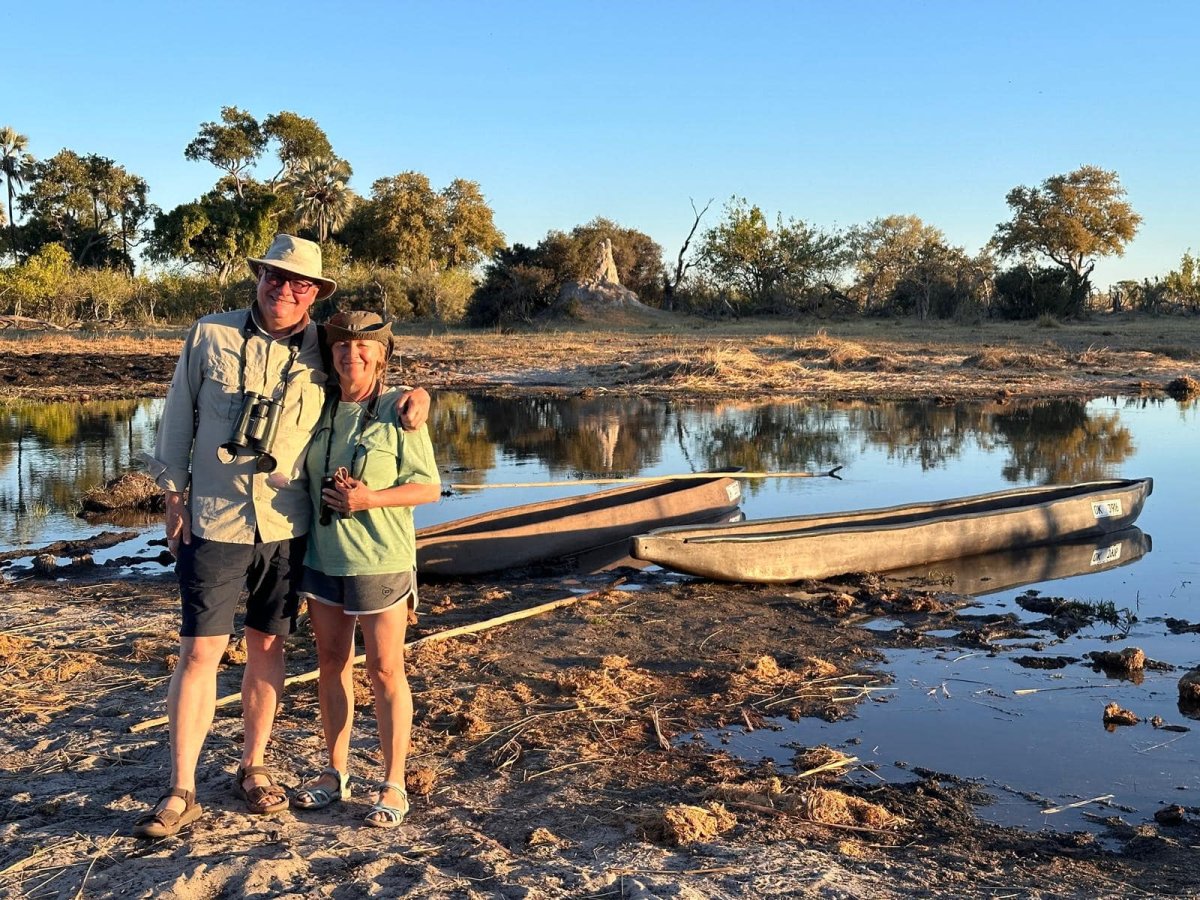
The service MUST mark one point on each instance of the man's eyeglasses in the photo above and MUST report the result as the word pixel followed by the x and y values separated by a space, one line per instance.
pixel 276 279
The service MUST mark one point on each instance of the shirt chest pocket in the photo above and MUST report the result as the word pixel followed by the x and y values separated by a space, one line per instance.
pixel 377 455
pixel 308 387
pixel 220 392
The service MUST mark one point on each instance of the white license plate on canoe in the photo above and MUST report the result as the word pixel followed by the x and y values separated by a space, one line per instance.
pixel 1106 509
pixel 1104 555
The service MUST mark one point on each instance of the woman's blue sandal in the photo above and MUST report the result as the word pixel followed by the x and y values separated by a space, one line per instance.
pixel 383 816
pixel 319 797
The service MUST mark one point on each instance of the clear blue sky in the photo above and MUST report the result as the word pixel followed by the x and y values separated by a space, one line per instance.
pixel 564 110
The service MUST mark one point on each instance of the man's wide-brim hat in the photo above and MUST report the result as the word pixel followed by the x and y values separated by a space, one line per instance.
pixel 359 325
pixel 298 257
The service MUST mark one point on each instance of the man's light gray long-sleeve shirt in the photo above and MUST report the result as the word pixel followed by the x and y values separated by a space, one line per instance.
pixel 229 501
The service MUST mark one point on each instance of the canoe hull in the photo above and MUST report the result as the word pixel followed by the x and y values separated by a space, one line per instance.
pixel 538 533
pixel 876 540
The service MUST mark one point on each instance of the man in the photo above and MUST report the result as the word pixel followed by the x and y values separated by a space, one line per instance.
pixel 244 401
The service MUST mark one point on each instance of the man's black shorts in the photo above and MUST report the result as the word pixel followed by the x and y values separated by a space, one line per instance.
pixel 211 577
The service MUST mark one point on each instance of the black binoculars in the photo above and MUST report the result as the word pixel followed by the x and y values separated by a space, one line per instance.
pixel 255 430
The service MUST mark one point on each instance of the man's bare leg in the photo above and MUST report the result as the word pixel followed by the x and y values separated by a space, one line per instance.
pixel 191 705
pixel 262 686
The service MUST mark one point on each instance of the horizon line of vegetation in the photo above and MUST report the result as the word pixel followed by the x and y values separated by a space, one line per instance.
pixel 73 224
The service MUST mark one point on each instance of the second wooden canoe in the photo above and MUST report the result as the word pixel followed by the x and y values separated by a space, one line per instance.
pixel 537 533
pixel 877 540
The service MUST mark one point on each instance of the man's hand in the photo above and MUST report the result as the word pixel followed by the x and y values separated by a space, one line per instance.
pixel 178 522
pixel 413 407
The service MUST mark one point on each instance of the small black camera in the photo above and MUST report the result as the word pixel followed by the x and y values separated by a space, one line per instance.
pixel 326 513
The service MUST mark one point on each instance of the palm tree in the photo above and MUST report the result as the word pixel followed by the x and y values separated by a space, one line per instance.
pixel 15 164
pixel 323 198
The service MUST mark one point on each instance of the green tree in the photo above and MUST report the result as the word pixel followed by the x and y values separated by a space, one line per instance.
pixel 807 257
pixel 234 145
pixel 517 285
pixel 1183 284
pixel 571 256
pixel 407 223
pixel 399 225
pixel 89 204
pixel 764 268
pixel 520 282
pixel 16 164
pixel 1026 292
pixel 297 139
pixel 37 286
pixel 1072 220
pixel 469 234
pixel 216 232
pixel 318 187
pixel 887 251
pixel 739 253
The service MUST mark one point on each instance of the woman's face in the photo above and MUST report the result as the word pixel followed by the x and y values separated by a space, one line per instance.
pixel 357 362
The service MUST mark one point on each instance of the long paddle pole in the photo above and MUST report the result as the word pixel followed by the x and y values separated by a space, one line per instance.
pixel 642 479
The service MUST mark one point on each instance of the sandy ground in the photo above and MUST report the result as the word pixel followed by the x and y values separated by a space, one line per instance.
pixel 562 755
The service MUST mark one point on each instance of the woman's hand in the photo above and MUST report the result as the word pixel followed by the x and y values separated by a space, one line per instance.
pixel 348 495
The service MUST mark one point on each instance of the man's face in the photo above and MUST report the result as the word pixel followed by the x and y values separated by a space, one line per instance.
pixel 283 298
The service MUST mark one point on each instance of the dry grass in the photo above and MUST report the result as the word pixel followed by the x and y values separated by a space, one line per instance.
pixel 674 356
pixel 992 359
pixel 164 341
pixel 1184 388
pixel 133 490
pixel 829 807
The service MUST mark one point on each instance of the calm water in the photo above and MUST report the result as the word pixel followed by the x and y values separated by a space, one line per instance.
pixel 952 711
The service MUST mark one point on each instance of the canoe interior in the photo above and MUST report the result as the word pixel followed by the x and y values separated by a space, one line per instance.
pixel 537 534
pixel 516 518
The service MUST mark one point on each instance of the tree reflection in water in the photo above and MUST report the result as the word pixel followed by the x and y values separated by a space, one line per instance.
pixel 51 453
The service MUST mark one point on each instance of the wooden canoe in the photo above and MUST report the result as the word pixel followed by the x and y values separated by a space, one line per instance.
pixel 877 540
pixel 538 533
pixel 989 573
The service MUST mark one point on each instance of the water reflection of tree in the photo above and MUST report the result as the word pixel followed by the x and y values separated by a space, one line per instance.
pixel 50 453
pixel 921 432
pixel 461 443
pixel 587 435
pixel 778 438
pixel 1058 442
pixel 612 436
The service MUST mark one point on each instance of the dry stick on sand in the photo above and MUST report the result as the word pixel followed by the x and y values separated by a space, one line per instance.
pixel 1057 809
pixel 663 743
pixel 428 639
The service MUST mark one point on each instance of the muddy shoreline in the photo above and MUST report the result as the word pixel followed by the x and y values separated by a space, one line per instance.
pixel 570 754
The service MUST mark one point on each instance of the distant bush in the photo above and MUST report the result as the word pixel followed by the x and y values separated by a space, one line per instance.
pixel 1025 292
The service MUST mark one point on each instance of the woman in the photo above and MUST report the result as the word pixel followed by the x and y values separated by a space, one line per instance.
pixel 366 475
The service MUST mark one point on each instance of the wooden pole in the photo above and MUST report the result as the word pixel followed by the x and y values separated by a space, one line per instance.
pixel 643 479
pixel 428 639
